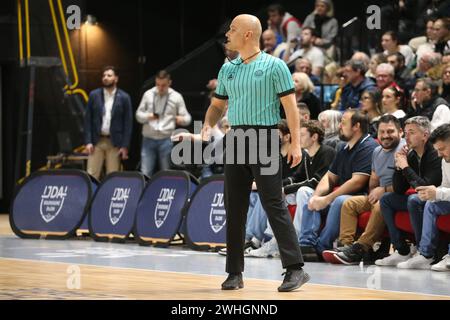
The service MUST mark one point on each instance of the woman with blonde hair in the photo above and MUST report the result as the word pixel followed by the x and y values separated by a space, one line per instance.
pixel 304 89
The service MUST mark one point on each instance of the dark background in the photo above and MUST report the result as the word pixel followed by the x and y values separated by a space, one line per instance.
pixel 139 38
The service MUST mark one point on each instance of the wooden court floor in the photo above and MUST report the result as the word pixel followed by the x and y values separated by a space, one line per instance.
pixel 27 279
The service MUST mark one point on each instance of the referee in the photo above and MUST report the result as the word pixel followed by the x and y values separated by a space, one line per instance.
pixel 253 85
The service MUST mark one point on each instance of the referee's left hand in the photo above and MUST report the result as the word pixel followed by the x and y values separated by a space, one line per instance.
pixel 294 155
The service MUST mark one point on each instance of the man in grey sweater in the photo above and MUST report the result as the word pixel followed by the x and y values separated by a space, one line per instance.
pixel 160 111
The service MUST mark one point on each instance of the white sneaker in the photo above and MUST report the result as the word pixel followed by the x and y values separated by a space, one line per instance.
pixel 418 261
pixel 268 250
pixel 393 259
pixel 443 265
pixel 249 245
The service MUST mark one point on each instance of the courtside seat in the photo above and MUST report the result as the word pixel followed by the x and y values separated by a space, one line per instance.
pixel 443 223
pixel 291 209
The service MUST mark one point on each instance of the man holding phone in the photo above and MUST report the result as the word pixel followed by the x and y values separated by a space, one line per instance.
pixel 160 111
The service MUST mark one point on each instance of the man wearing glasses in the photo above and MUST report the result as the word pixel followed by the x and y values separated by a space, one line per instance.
pixel 426 102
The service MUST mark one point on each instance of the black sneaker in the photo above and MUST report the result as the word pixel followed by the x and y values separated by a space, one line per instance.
pixel 293 279
pixel 329 255
pixel 233 282
pixel 351 255
pixel 307 249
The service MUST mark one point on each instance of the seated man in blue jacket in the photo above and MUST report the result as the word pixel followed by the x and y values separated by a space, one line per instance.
pixel 108 124
pixel 355 71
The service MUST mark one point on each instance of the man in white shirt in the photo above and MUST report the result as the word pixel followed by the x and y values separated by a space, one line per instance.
pixel 309 51
pixel 160 111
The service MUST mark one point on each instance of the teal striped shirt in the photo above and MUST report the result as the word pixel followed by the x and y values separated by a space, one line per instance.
pixel 253 90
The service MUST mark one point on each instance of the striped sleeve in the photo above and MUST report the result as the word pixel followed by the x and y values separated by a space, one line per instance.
pixel 221 92
pixel 282 78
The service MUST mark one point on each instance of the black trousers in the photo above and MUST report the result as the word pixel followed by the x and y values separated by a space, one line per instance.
pixel 238 182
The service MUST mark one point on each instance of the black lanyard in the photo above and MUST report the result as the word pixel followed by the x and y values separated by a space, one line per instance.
pixel 165 104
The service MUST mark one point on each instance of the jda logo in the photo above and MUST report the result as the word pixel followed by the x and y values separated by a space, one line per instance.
pixel 217 215
pixel 52 201
pixel 163 205
pixel 118 204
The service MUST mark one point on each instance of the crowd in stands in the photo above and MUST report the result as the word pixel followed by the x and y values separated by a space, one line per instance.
pixel 370 148
pixel 379 142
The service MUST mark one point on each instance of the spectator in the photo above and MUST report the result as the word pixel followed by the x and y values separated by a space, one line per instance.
pixel 303 110
pixel 437 204
pixel 361 56
pixel 285 25
pixel 107 133
pixel 355 71
pixel 307 49
pixel 426 43
pixel 429 66
pixel 445 89
pixel 403 75
pixel 304 65
pixel 392 102
pixel 441 29
pixel 427 103
pixel 329 73
pixel 350 171
pixel 371 105
pixel 389 42
pixel 385 74
pixel 304 89
pixel 315 162
pixel 390 137
pixel 433 8
pixel 160 111
pixel 377 59
pixel 330 120
pixel 322 20
pixel 416 165
pixel 270 44
pixel 342 82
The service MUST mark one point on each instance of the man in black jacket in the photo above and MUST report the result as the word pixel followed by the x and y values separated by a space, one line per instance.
pixel 108 123
pixel 418 164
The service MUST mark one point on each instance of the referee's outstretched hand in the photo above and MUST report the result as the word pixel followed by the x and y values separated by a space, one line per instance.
pixel 294 155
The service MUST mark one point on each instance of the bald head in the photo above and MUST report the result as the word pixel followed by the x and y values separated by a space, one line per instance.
pixel 248 23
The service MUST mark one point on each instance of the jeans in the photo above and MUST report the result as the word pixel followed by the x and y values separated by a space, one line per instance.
pixel 311 220
pixel 155 151
pixel 268 233
pixel 430 233
pixel 302 197
pixel 256 218
pixel 392 202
